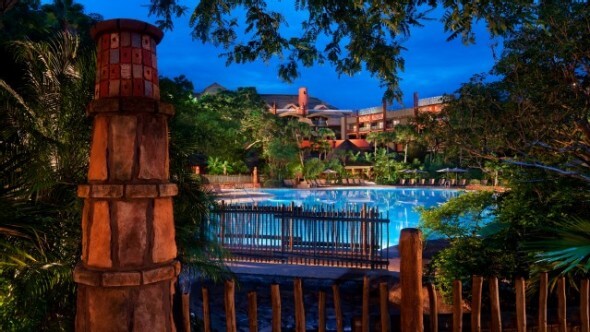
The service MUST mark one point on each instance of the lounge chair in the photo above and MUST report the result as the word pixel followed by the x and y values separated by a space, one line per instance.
pixel 431 182
pixel 422 182
pixel 442 182
pixel 216 189
pixel 453 182
pixel 288 183
pixel 462 183
pixel 402 182
pixel 356 182
pixel 412 182
pixel 322 183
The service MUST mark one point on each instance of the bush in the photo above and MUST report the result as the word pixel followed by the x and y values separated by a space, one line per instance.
pixel 313 168
pixel 272 183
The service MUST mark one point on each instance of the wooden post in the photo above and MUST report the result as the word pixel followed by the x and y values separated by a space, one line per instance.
pixel 365 309
pixel 543 294
pixel 561 305
pixel 457 306
pixel 186 312
pixel 476 285
pixel 496 313
pixel 299 307
pixel 410 246
pixel 322 311
pixel 222 223
pixel 230 306
pixel 433 302
pixel 252 312
pixel 584 307
pixel 291 228
pixel 383 304
pixel 520 288
pixel 364 229
pixel 206 311
pixel 337 308
pixel 275 296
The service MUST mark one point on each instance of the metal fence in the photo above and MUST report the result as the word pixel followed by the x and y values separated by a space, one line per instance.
pixel 304 235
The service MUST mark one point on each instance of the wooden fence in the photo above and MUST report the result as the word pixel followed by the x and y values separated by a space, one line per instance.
pixel 277 321
pixel 412 298
pixel 304 235
pixel 412 315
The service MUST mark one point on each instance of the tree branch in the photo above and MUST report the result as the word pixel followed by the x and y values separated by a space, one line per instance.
pixel 560 171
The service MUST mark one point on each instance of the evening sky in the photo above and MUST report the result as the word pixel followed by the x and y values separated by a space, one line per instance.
pixel 433 65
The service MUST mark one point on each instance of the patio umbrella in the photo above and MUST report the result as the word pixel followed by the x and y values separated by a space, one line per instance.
pixel 455 170
pixel 413 171
pixel 329 172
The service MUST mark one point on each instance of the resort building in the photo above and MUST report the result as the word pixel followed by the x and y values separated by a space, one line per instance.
pixel 350 126
pixel 310 110
pixel 381 119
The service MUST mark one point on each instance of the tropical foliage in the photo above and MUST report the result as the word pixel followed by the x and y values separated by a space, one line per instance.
pixel 537 114
pixel 531 125
pixel 350 35
pixel 45 136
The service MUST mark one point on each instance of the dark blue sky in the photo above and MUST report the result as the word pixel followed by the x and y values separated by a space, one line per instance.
pixel 433 66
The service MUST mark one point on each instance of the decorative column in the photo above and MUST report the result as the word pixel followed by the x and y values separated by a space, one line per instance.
pixel 128 269
pixel 255 176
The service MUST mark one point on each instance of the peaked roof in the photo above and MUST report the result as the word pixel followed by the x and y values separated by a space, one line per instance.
pixel 213 89
pixel 352 144
pixel 283 101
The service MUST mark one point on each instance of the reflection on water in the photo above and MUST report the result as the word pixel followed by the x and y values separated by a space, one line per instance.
pixel 397 204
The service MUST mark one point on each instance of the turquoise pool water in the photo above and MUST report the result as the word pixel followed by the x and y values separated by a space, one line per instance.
pixel 397 204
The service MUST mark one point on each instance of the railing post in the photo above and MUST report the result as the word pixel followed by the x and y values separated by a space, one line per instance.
pixel 476 288
pixel 275 297
pixel 543 294
pixel 222 222
pixel 561 305
pixel 520 288
pixel 412 301
pixel 206 310
pixel 457 306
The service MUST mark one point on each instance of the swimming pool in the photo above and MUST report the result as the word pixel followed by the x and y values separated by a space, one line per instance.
pixel 396 204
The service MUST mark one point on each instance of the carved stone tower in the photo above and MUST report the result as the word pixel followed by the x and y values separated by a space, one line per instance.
pixel 128 269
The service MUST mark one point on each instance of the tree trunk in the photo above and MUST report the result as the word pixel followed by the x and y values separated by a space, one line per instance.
pixel 406 153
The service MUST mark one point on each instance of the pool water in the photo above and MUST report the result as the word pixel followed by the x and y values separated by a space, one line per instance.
pixel 396 204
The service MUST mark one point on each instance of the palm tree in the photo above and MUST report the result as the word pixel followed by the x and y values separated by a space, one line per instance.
pixel 374 138
pixel 406 134
pixel 43 149
pixel 299 131
pixel 568 248
pixel 321 137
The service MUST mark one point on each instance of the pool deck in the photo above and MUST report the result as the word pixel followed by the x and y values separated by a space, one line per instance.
pixel 311 271
pixel 237 196
pixel 431 247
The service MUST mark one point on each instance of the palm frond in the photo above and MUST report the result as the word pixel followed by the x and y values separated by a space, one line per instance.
pixel 567 249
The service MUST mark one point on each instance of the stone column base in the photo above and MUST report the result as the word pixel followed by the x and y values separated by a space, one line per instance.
pixel 126 301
